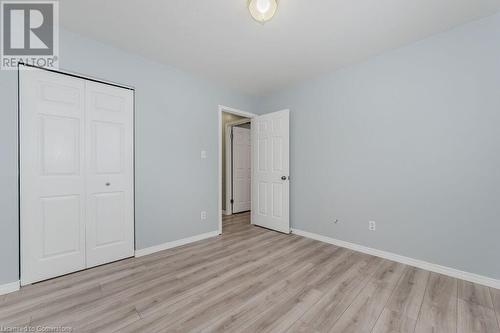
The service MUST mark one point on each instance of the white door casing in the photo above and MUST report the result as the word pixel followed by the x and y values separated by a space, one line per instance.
pixel 241 169
pixel 270 171
pixel 52 187
pixel 76 136
pixel 109 170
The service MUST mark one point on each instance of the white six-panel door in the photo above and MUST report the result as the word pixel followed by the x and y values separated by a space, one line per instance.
pixel 109 171
pixel 69 144
pixel 270 171
pixel 52 166
pixel 242 169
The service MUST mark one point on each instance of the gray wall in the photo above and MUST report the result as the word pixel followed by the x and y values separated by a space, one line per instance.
pixel 176 118
pixel 9 252
pixel 409 139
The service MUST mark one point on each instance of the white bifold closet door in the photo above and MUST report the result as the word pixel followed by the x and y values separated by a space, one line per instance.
pixel 109 172
pixel 76 168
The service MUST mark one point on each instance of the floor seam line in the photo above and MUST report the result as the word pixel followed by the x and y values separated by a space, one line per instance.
pixel 356 297
pixel 497 315
pixel 390 296
pixel 422 303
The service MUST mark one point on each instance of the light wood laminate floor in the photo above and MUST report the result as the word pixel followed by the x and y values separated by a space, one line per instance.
pixel 255 280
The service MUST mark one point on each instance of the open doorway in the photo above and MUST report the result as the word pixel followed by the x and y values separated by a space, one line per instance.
pixel 269 169
pixel 235 164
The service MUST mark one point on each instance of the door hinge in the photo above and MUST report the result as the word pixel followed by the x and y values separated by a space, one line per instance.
pixel 232 201
pixel 231 135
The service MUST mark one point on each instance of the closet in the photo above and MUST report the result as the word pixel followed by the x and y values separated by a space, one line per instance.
pixel 76 149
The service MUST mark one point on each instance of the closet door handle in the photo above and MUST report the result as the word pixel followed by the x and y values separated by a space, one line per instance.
pixel 108 184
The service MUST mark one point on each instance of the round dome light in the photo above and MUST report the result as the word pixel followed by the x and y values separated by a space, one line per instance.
pixel 262 10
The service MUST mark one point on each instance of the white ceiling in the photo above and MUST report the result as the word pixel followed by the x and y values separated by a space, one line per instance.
pixel 218 39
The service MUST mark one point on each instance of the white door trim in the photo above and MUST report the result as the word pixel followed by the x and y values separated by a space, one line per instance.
pixel 237 112
pixel 229 156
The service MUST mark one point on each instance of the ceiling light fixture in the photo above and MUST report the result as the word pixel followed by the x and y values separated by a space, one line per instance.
pixel 262 10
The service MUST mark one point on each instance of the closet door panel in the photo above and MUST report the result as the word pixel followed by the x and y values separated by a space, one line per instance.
pixel 109 170
pixel 52 188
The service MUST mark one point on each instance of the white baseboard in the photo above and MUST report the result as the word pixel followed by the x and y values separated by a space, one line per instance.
pixel 9 287
pixel 169 245
pixel 471 277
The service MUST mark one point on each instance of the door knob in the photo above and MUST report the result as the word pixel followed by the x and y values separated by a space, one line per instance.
pixel 107 184
pixel 283 178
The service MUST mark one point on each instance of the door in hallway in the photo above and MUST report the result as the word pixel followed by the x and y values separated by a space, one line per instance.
pixel 241 169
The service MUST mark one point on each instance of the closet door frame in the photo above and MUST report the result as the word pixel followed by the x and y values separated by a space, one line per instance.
pixel 86 78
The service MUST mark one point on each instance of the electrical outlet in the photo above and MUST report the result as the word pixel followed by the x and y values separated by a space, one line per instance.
pixel 203 215
pixel 203 154
pixel 372 225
